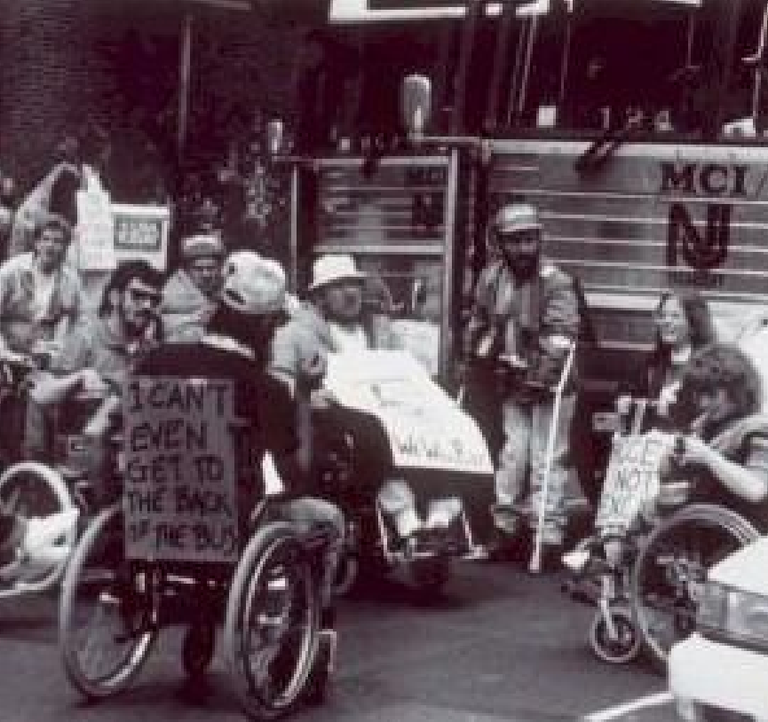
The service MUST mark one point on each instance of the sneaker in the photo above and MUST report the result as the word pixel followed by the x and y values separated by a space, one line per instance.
pixel 575 560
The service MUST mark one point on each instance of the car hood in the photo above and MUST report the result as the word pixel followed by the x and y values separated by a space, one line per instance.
pixel 745 569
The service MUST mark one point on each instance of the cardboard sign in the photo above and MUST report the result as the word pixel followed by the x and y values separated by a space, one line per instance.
pixel 179 494
pixel 632 477
pixel 425 427
pixel 141 232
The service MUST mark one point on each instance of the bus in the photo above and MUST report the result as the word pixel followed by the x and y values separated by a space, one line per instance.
pixel 638 127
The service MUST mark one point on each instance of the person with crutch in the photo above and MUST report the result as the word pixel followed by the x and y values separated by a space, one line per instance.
pixel 524 324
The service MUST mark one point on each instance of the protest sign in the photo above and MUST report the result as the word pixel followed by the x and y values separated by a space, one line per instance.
pixel 425 427
pixel 632 477
pixel 179 494
pixel 141 232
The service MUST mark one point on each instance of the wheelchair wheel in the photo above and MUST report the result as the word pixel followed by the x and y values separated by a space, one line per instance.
pixel 108 613
pixel 622 646
pixel 671 568
pixel 272 621
pixel 31 489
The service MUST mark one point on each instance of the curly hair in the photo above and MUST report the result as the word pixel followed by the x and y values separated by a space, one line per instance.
pixel 724 366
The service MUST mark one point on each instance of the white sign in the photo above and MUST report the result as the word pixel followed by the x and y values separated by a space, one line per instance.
pixel 141 232
pixel 425 427
pixel 95 230
pixel 632 477
pixel 179 490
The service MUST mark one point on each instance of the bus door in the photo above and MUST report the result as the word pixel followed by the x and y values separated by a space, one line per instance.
pixel 397 217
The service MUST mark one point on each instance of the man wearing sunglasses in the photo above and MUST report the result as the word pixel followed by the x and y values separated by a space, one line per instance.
pixel 98 354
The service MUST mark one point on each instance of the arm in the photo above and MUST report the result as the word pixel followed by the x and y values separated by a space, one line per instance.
pixel 480 316
pixel 560 316
pixel 748 481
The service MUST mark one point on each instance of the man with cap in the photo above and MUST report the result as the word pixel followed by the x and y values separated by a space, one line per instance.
pixel 236 346
pixel 524 319
pixel 190 295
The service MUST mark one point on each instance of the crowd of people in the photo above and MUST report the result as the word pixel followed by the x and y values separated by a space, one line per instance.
pixel 228 313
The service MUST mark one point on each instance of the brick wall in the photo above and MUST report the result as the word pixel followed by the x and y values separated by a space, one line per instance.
pixel 64 61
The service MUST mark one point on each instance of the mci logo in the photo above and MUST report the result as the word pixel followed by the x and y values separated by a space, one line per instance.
pixel 702 246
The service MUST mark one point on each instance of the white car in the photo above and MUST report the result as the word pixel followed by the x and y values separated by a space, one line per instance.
pixel 721 671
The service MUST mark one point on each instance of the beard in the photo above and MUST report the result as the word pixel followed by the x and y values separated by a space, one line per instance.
pixel 523 266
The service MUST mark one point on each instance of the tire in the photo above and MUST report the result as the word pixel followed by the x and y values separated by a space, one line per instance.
pixel 197 649
pixel 671 567
pixel 272 621
pixel 106 626
pixel 628 641
pixel 31 489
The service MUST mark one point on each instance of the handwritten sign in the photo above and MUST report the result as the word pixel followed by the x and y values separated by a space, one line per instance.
pixel 632 477
pixel 425 427
pixel 141 232
pixel 179 494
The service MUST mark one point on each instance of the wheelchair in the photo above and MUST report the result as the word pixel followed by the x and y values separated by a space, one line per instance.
pixel 263 588
pixel 650 567
pixel 113 608
pixel 373 547
pixel 35 489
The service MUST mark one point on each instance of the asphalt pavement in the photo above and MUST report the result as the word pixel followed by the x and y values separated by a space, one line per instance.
pixel 499 645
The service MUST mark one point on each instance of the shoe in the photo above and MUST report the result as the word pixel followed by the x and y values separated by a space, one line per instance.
pixel 551 557
pixel 575 560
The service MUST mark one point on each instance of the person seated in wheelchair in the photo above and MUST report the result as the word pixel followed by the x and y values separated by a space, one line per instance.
pixel 723 449
pixel 93 362
pixel 683 324
pixel 346 310
pixel 236 346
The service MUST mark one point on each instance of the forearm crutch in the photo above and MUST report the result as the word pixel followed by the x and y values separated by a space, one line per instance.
pixel 535 563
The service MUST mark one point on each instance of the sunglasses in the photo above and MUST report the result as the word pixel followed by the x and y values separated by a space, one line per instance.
pixel 139 295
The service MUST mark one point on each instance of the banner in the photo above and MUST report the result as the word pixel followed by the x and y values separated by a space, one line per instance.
pixel 425 427
pixel 179 490
pixel 632 477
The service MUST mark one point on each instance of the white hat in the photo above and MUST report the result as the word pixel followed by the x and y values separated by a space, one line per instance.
pixel 334 267
pixel 516 217
pixel 252 284
pixel 203 245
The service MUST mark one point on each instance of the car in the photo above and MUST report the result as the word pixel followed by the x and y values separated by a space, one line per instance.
pixel 720 672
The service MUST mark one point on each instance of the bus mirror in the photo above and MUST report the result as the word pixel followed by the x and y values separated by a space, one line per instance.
pixel 415 102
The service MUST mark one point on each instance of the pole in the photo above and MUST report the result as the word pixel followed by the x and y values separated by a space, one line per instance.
pixel 499 65
pixel 527 67
pixel 535 563
pixel 565 62
pixel 516 72
pixel 474 9
pixel 185 59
